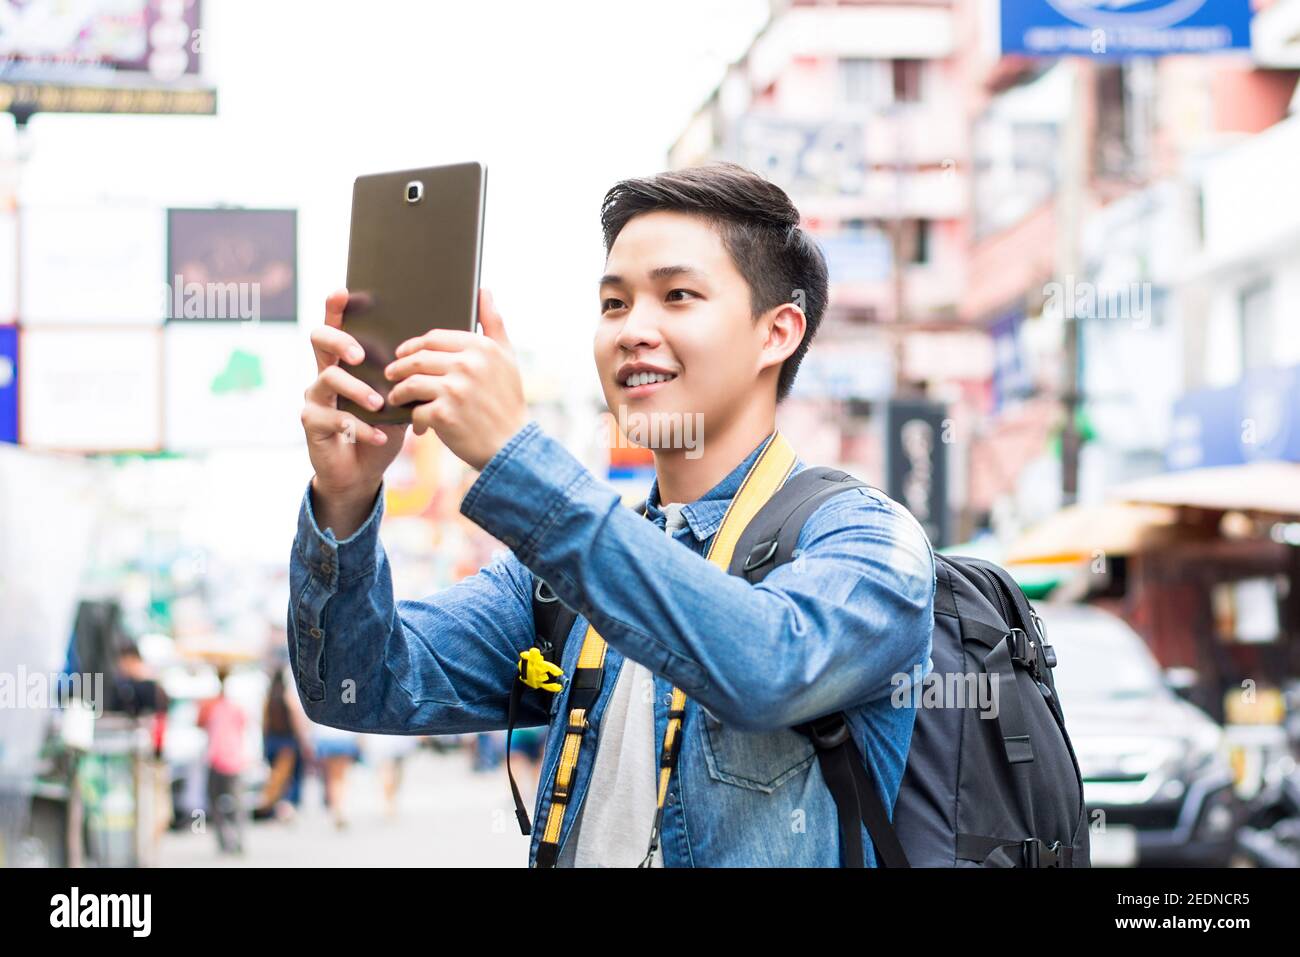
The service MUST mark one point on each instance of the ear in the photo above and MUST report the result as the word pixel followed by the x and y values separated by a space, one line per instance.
pixel 785 326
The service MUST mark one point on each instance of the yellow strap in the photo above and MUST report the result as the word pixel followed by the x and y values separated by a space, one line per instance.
pixel 767 474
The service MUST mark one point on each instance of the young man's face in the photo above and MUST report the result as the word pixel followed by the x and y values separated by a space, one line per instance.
pixel 672 302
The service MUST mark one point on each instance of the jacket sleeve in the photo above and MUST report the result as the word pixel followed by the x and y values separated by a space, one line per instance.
pixel 365 662
pixel 844 624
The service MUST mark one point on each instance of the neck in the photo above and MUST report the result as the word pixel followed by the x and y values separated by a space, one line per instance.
pixel 683 478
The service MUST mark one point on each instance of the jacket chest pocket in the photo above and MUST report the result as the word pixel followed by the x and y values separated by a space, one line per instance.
pixel 758 760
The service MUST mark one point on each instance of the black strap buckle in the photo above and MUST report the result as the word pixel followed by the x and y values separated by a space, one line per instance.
pixel 1045 650
pixel 1038 854
pixel 827 732
pixel 760 554
pixel 1024 650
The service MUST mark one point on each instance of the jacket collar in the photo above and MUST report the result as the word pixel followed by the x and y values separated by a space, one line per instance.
pixel 704 515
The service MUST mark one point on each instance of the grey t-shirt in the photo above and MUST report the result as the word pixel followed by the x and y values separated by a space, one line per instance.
pixel 613 827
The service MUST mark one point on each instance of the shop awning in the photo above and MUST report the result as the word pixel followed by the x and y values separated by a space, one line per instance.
pixel 1079 532
pixel 1271 488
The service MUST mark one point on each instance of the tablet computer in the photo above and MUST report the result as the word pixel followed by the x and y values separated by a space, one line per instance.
pixel 414 250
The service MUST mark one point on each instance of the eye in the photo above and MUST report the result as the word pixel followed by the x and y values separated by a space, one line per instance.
pixel 607 304
pixel 688 292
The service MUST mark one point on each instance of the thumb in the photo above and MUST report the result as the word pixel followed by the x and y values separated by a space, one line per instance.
pixel 494 327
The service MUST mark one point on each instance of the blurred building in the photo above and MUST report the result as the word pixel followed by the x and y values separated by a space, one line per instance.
pixel 1082 263
pixel 855 109
pixel 992 222
pixel 1135 242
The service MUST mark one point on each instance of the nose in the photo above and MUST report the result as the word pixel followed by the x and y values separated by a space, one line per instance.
pixel 640 330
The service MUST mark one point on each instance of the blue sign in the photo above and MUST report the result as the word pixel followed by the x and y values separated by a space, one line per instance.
pixel 9 384
pixel 1011 379
pixel 1113 29
pixel 1257 419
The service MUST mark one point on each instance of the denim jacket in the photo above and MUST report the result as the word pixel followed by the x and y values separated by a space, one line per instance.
pixel 839 628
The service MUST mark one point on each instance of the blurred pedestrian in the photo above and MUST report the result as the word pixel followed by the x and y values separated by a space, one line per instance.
pixel 287 747
pixel 388 753
pixel 487 750
pixel 225 723
pixel 336 752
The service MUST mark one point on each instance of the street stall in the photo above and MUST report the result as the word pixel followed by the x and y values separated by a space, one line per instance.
pixel 1227 605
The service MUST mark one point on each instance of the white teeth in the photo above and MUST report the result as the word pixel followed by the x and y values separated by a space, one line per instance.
pixel 644 378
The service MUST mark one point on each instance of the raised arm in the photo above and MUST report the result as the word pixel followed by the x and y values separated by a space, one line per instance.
pixel 829 631
pixel 365 662
pixel 362 661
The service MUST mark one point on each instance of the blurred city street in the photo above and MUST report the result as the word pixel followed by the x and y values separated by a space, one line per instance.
pixel 449 816
pixel 1021 275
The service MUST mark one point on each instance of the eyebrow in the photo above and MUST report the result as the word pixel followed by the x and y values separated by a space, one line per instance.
pixel 659 272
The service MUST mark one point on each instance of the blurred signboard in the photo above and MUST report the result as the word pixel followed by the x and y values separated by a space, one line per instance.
pixel 233 385
pixel 90 388
pixel 628 461
pixel 93 263
pixel 916 463
pixel 1256 419
pixel 1011 379
pixel 8 263
pixel 8 383
pixel 804 157
pixel 232 264
pixel 1113 29
pixel 102 56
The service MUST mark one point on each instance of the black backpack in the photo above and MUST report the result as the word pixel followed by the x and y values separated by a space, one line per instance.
pixel 976 792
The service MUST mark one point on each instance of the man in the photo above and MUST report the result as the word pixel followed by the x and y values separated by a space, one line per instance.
pixel 710 299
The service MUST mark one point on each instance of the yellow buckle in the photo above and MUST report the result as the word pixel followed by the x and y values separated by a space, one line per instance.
pixel 536 672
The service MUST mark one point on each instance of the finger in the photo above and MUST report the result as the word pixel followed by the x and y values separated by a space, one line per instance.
pixel 438 340
pixel 417 388
pixel 335 381
pixel 331 345
pixel 494 327
pixel 335 303
pixel 322 422
pixel 423 416
pixel 431 363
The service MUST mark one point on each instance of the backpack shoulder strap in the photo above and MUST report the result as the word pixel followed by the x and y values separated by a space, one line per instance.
pixel 771 536
pixel 552 619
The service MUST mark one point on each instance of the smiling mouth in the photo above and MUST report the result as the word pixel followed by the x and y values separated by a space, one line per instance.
pixel 639 379
pixel 642 385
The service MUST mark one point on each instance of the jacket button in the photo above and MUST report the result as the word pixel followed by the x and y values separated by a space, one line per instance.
pixel 314 632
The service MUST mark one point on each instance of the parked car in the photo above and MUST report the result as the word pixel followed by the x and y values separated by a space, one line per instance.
pixel 1156 776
